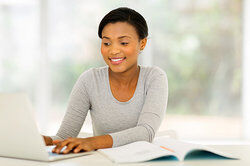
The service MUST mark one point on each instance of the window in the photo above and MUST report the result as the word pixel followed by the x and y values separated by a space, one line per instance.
pixel 48 44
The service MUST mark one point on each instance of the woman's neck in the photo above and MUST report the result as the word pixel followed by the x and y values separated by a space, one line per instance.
pixel 126 78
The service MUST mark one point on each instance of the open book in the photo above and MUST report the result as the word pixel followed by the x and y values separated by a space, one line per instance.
pixel 161 147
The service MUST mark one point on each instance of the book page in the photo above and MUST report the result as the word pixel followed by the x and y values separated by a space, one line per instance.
pixel 220 153
pixel 182 148
pixel 135 152
pixel 178 147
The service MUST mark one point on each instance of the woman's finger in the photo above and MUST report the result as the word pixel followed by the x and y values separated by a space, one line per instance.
pixel 70 146
pixel 60 145
pixel 57 145
pixel 78 149
pixel 84 147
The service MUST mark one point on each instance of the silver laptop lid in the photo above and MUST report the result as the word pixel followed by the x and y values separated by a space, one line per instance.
pixel 19 136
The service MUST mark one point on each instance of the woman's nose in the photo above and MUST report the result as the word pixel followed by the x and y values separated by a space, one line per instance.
pixel 114 50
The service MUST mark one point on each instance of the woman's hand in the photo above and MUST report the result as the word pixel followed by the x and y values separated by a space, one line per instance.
pixel 83 144
pixel 74 144
pixel 48 141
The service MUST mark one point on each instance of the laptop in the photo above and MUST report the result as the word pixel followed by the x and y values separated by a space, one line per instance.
pixel 19 135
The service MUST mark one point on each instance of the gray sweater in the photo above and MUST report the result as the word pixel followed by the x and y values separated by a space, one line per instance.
pixel 135 120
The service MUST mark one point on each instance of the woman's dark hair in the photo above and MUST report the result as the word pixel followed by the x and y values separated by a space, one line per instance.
pixel 124 14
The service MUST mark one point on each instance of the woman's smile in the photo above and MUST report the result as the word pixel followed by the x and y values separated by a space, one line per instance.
pixel 117 60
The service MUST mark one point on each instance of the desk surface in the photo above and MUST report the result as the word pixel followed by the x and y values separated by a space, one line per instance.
pixel 96 159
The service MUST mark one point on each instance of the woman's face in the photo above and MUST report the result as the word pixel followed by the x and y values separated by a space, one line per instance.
pixel 121 46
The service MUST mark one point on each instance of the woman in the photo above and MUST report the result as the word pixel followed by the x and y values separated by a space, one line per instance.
pixel 127 101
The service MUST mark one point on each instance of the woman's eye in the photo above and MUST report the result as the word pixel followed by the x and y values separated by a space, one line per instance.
pixel 106 44
pixel 124 43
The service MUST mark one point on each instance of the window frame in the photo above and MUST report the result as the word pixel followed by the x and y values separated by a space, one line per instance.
pixel 246 70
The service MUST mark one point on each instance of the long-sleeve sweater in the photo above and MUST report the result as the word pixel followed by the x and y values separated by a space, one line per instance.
pixel 135 120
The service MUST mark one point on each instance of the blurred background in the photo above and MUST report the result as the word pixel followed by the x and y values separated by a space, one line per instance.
pixel 46 44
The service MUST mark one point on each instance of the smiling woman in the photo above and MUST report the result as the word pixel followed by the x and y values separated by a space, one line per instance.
pixel 127 101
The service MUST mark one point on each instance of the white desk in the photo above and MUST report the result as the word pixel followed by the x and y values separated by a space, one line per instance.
pixel 96 159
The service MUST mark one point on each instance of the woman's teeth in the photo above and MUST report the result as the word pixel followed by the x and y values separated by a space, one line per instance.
pixel 115 60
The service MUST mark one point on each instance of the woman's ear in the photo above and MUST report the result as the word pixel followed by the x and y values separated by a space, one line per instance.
pixel 143 43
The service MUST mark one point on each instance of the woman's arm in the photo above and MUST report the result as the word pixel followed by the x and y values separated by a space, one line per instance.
pixel 77 110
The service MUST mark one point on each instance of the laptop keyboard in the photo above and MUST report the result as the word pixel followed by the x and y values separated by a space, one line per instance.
pixel 49 150
pixel 64 156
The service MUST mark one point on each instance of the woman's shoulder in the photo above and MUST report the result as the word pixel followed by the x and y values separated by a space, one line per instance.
pixel 152 71
pixel 93 72
pixel 155 76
